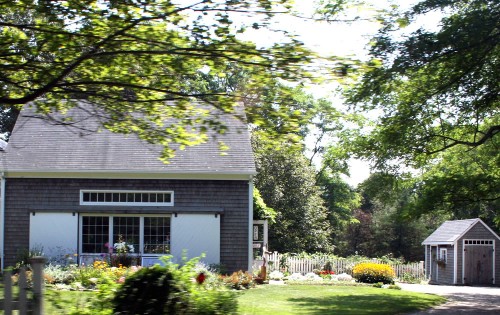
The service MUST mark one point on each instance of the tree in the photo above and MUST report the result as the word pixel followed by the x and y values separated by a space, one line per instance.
pixel 128 56
pixel 463 184
pixel 287 184
pixel 434 90
pixel 341 201
pixel 8 118
pixel 392 229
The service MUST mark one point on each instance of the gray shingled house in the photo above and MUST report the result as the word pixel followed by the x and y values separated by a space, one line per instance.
pixel 73 189
pixel 463 252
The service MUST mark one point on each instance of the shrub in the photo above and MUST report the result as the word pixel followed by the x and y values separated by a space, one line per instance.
pixel 296 277
pixel 276 275
pixel 149 291
pixel 408 277
pixel 174 289
pixel 394 287
pixel 239 280
pixel 54 274
pixel 373 273
pixel 342 277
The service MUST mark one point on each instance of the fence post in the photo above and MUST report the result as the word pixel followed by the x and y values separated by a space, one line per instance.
pixel 23 286
pixel 37 264
pixel 7 299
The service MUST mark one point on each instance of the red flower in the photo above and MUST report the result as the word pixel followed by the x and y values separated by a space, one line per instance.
pixel 327 272
pixel 200 278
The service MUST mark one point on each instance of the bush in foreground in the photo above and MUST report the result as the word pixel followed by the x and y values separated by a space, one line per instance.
pixel 174 289
pixel 373 273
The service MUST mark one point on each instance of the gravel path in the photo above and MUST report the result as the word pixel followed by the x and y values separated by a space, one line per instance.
pixel 461 299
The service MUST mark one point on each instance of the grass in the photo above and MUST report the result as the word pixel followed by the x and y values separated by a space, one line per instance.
pixel 313 299
pixel 289 299
pixel 62 302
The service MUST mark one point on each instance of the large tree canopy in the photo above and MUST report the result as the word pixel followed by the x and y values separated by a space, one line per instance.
pixel 130 56
pixel 432 89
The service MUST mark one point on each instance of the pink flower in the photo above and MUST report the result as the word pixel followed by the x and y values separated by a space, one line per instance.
pixel 121 280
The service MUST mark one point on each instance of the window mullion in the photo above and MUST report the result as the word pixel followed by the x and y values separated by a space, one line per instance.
pixel 111 244
pixel 141 235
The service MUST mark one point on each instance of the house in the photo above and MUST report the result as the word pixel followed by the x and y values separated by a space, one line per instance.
pixel 463 252
pixel 74 189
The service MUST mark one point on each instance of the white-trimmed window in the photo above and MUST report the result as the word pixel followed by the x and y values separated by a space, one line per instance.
pixel 443 254
pixel 148 234
pixel 126 198
pixel 478 242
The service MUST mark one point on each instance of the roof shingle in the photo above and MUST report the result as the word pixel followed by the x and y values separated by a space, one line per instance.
pixel 37 145
pixel 450 231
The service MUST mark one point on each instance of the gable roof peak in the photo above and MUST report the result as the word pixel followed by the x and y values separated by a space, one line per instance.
pixel 450 231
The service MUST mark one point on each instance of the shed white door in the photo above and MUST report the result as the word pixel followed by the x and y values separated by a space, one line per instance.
pixel 195 234
pixel 56 233
pixel 478 264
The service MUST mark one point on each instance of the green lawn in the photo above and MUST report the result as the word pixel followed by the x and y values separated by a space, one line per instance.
pixel 313 299
pixel 289 299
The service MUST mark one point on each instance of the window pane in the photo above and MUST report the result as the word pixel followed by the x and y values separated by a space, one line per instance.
pixel 130 197
pixel 95 233
pixel 168 197
pixel 138 197
pixel 160 197
pixel 86 197
pixel 156 235
pixel 126 229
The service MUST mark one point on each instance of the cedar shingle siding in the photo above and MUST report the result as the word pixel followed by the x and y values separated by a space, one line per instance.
pixel 230 197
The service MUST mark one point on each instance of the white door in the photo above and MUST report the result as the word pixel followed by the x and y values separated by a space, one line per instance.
pixel 55 233
pixel 194 234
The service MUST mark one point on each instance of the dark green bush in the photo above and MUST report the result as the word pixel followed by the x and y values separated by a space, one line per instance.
pixel 149 291
pixel 172 289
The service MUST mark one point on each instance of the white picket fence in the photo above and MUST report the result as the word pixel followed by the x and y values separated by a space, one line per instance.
pixel 25 303
pixel 277 261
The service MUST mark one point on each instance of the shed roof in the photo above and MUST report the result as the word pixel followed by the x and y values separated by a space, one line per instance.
pixel 40 146
pixel 450 231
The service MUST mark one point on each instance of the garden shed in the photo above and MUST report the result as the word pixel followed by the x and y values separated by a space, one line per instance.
pixel 462 252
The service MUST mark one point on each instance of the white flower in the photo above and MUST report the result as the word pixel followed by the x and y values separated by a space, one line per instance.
pixel 313 276
pixel 276 275
pixel 296 277
pixel 123 247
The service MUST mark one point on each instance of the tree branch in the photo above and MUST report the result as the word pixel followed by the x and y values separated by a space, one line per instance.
pixel 492 131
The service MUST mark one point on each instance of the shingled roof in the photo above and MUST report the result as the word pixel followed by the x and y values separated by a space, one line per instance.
pixel 40 146
pixel 450 231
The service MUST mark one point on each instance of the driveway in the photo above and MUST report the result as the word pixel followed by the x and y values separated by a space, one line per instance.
pixel 461 299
